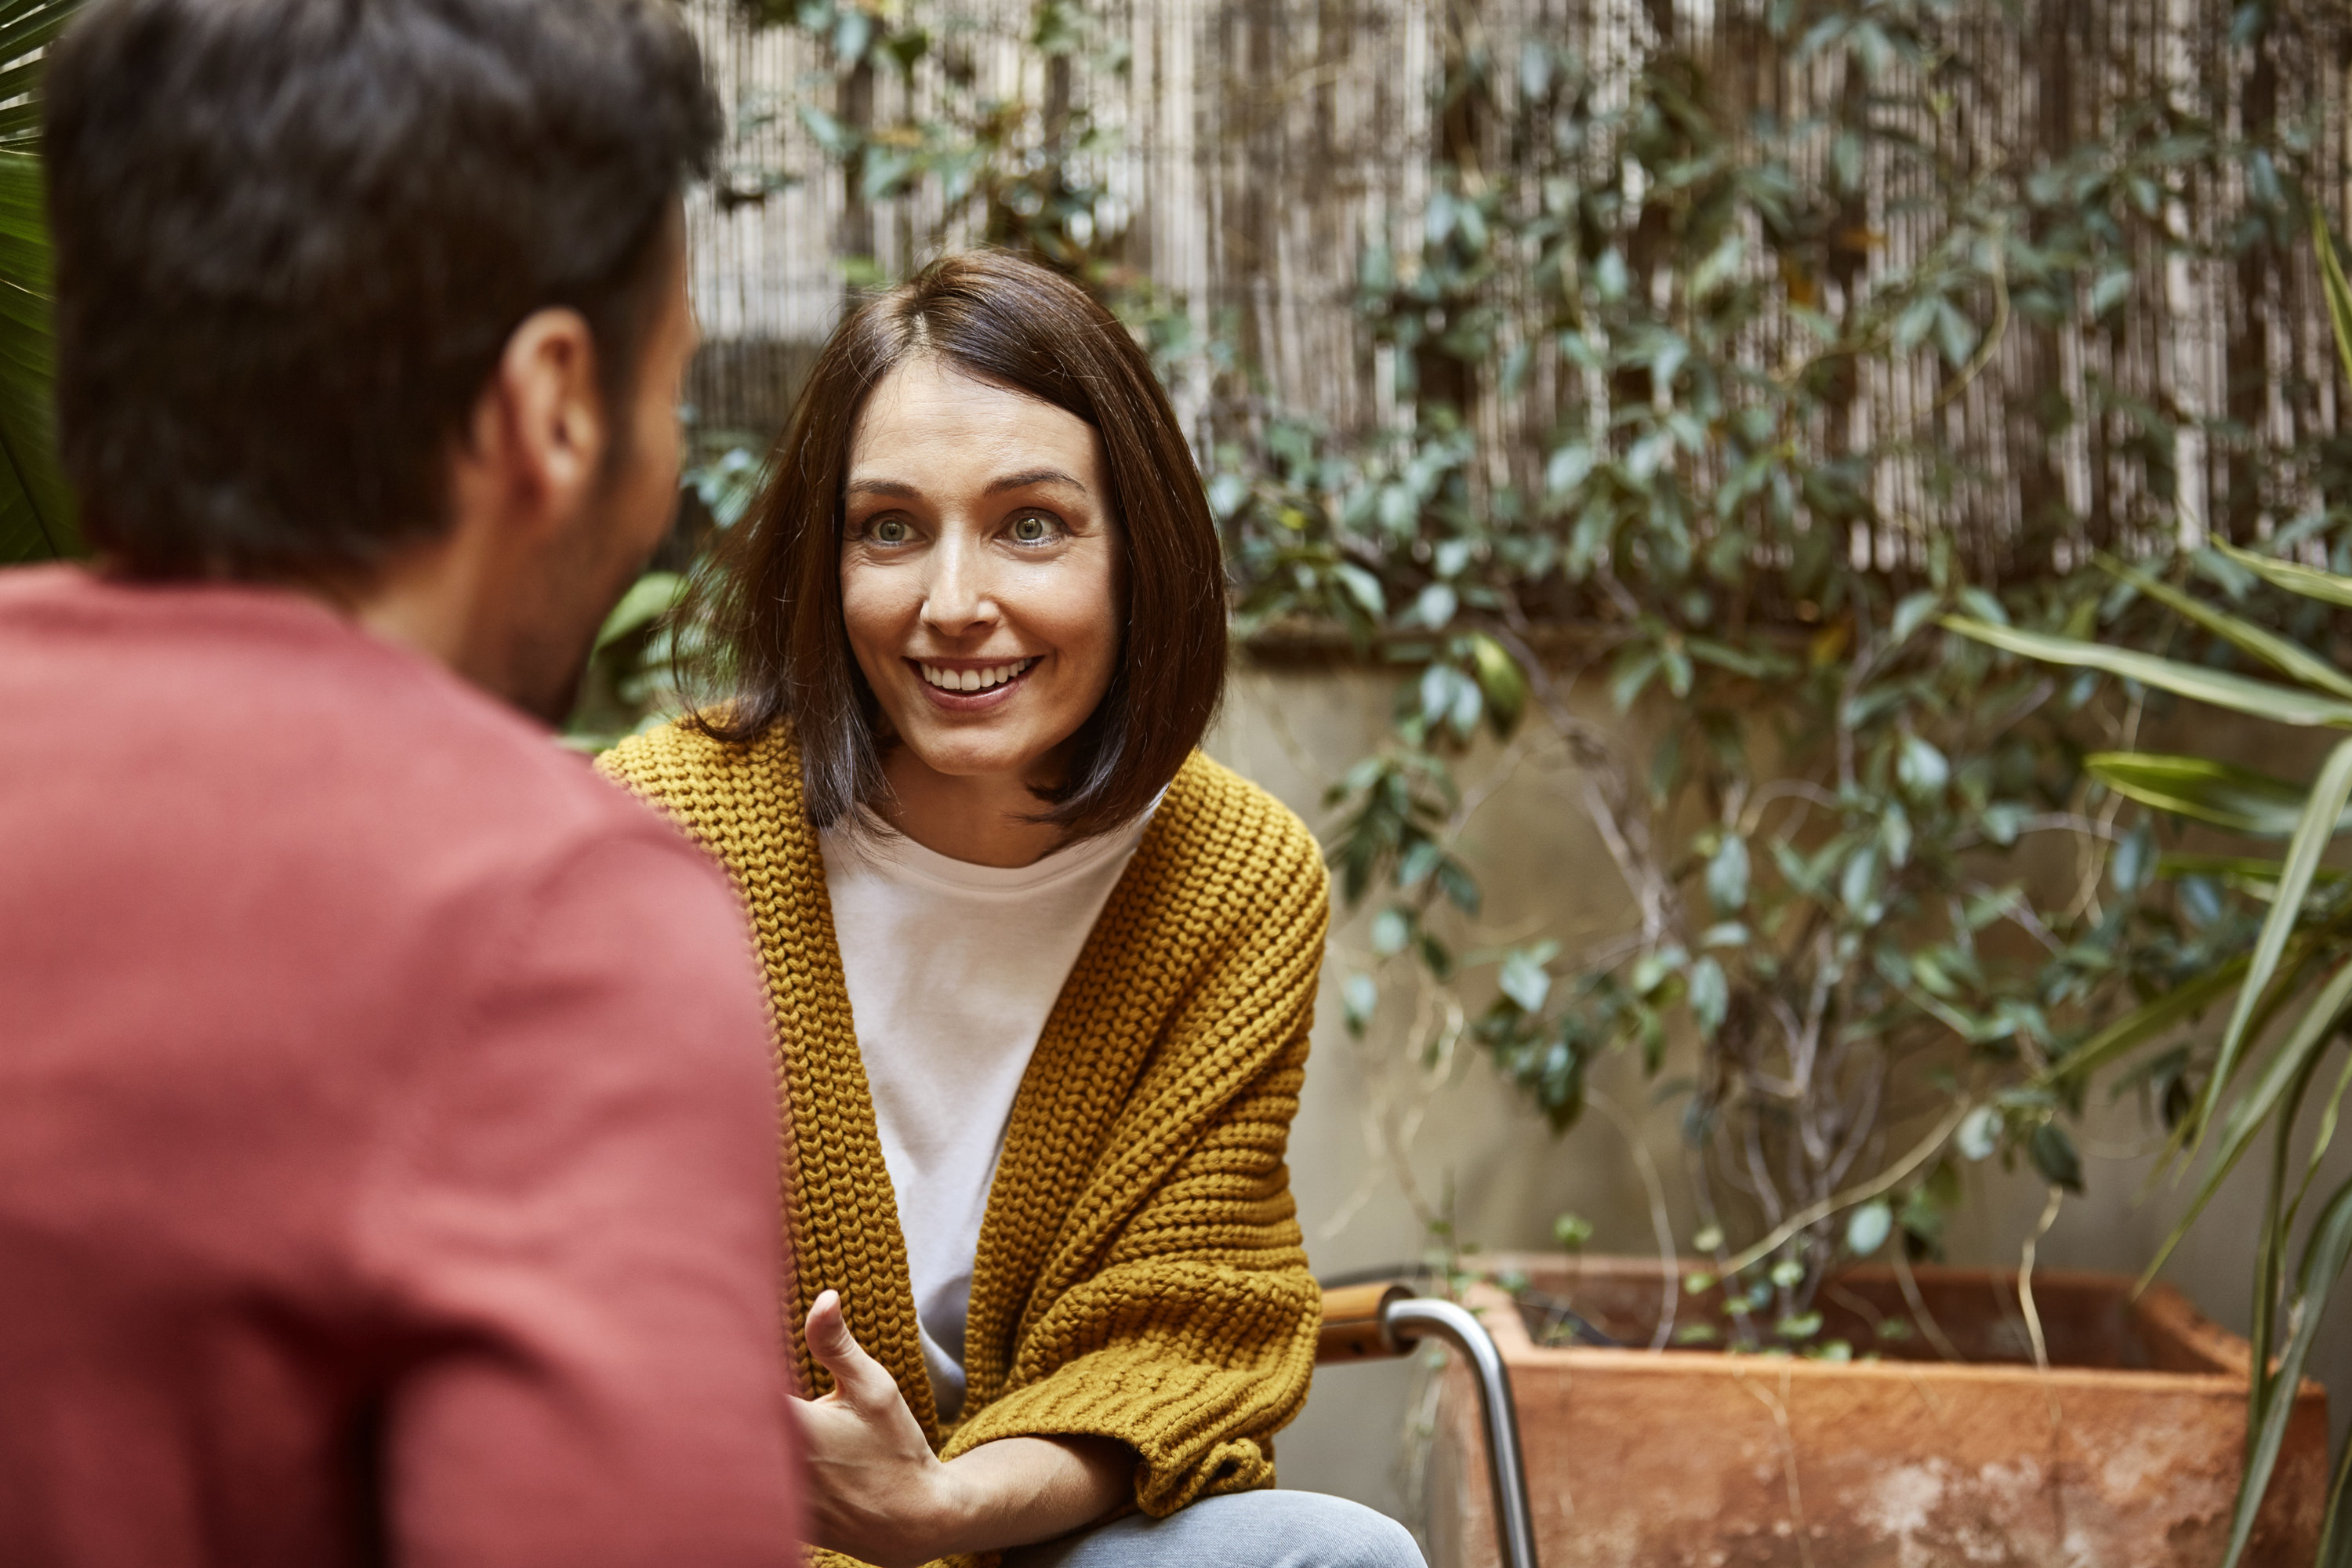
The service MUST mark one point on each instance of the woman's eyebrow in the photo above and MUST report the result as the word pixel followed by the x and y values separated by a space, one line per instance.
pixel 1028 477
pixel 883 487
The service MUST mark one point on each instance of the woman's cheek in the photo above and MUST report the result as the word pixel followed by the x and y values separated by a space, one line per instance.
pixel 868 616
pixel 867 607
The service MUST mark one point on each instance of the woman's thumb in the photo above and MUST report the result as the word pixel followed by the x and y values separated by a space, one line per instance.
pixel 837 1351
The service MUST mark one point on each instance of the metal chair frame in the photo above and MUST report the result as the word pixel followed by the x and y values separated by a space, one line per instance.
pixel 1380 1320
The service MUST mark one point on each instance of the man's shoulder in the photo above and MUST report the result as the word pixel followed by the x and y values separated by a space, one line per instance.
pixel 243 834
pixel 185 725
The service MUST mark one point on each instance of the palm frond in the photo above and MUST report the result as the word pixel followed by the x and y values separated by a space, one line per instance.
pixel 36 511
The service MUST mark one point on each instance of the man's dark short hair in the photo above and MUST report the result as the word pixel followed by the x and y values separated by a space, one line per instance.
pixel 293 237
pixel 774 609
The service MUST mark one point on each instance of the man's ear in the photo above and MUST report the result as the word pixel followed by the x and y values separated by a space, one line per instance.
pixel 539 429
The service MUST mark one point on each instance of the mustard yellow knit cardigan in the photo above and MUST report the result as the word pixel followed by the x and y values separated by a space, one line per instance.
pixel 1139 1274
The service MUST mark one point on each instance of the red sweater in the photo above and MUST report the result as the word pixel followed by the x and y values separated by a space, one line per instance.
pixel 387 1135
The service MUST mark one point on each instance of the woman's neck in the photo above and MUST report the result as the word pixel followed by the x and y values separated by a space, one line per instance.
pixel 976 818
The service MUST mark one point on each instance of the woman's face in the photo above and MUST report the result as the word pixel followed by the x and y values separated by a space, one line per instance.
pixel 979 571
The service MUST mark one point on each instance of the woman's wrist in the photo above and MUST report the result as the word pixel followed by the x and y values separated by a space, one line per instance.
pixel 958 1508
pixel 1017 1491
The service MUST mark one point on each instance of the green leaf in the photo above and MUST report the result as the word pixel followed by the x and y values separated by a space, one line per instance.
pixel 1503 681
pixel 2333 285
pixel 2328 797
pixel 2291 1061
pixel 2002 821
pixel 1676 661
pixel 1979 1133
pixel 1226 493
pixel 837 139
pixel 2134 858
pixel 1983 605
pixel 1710 994
pixel 2261 699
pixel 1635 668
pixel 2322 1261
pixel 1567 468
pixel 2288 658
pixel 1362 587
pixel 1726 876
pixel 1868 1228
pixel 2208 790
pixel 2252 872
pixel 1525 982
pixel 2147 1023
pixel 1913 613
pixel 1922 768
pixel 37 510
pixel 2052 1154
pixel 2324 586
pixel 647 600
pixel 1858 884
pixel 1650 970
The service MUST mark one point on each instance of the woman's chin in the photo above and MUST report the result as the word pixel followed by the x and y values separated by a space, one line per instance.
pixel 976 756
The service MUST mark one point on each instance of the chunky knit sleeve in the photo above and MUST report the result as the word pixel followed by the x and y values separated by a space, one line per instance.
pixel 1181 1321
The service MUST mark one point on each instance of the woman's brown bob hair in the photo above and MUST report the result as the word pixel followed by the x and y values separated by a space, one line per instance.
pixel 773 607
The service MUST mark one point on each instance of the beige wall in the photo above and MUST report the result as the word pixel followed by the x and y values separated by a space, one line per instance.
pixel 1293 729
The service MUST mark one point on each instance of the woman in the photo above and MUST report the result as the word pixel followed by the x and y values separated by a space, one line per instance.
pixel 1041 972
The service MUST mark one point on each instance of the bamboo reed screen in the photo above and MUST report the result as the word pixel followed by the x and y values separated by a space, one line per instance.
pixel 1256 145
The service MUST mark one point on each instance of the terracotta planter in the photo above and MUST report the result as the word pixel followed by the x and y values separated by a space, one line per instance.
pixel 2124 1454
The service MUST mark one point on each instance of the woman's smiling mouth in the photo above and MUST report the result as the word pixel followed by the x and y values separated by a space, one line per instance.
pixel 972 681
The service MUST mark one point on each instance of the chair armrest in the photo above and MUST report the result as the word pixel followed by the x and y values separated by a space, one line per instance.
pixel 1352 1323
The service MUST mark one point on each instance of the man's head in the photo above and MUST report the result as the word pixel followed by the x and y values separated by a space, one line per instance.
pixel 347 289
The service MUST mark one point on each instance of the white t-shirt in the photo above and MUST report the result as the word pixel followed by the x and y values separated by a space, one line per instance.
pixel 952 969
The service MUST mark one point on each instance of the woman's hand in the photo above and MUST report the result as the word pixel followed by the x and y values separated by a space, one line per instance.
pixel 877 1492
pixel 880 1494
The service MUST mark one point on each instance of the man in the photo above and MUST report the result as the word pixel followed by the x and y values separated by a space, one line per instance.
pixel 386 1138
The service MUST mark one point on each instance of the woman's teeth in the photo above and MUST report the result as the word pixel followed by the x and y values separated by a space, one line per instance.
pixel 973 679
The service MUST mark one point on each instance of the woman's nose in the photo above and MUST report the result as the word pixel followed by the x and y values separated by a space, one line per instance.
pixel 957 598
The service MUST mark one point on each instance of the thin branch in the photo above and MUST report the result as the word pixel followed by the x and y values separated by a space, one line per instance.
pixel 2025 1294
pixel 1928 1324
pixel 1877 1186
pixel 1779 790
pixel 1661 1222
pixel 1992 338
pixel 2018 912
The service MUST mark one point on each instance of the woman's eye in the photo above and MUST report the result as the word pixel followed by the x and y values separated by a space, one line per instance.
pixel 1034 530
pixel 890 530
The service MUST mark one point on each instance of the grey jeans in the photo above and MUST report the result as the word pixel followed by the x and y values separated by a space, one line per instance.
pixel 1245 1529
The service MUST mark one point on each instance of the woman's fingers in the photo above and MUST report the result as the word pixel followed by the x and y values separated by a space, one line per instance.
pixel 861 1379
